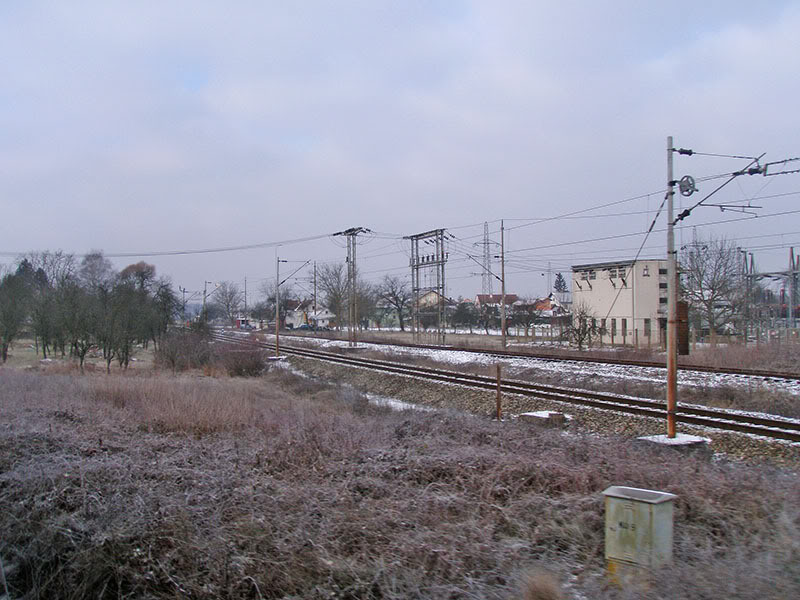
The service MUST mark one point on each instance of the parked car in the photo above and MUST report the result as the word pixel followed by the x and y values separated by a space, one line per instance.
pixel 305 326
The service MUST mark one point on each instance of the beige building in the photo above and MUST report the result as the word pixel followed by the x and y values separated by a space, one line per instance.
pixel 627 300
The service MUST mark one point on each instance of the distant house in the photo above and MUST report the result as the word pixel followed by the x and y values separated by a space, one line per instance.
pixel 550 306
pixel 242 322
pixel 321 318
pixel 303 313
pixel 430 300
pixel 487 300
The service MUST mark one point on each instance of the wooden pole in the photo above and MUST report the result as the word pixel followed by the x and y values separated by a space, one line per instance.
pixel 503 282
pixel 499 402
pixel 277 304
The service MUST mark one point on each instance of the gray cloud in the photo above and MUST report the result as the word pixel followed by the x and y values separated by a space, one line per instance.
pixel 149 126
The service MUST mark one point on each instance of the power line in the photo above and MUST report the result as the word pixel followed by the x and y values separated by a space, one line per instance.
pixel 198 251
pixel 626 235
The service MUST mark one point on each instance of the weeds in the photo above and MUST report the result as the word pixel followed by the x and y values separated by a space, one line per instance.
pixel 181 350
pixel 294 489
pixel 241 360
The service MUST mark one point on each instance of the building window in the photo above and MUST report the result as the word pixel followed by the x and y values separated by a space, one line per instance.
pixel 662 271
pixel 594 324
pixel 662 285
pixel 613 327
pixel 646 271
pixel 662 300
pixel 647 327
pixel 602 325
pixel 612 273
pixel 624 327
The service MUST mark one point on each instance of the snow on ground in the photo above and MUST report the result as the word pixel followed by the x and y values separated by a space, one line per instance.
pixel 568 369
pixel 376 399
pixel 680 439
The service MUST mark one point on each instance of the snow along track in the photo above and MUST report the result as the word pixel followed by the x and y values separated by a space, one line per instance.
pixel 549 357
pixel 777 428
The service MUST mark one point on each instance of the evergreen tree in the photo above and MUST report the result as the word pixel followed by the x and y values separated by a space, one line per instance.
pixel 560 284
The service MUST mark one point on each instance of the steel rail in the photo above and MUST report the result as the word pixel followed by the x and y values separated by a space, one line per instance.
pixel 586 359
pixel 705 417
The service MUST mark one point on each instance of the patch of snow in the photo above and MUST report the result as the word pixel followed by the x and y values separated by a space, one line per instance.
pixel 545 414
pixel 395 404
pixel 680 439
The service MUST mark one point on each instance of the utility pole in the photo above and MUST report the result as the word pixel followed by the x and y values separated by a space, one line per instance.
pixel 487 261
pixel 205 294
pixel 746 277
pixel 352 275
pixel 792 288
pixel 422 264
pixel 503 281
pixel 277 304
pixel 183 304
pixel 315 295
pixel 245 296
pixel 278 262
pixel 672 299
pixel 352 302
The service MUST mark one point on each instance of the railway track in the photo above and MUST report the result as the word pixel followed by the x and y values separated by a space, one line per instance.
pixel 601 360
pixel 704 417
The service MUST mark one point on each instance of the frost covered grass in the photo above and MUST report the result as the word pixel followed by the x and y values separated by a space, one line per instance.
pixel 287 487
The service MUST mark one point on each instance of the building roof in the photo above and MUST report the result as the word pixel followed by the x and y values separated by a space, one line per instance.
pixel 423 298
pixel 495 298
pixel 616 263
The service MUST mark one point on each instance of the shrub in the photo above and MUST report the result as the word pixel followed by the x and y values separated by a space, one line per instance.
pixel 241 360
pixel 180 350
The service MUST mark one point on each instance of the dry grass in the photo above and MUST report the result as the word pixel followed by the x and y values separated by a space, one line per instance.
pixel 775 357
pixel 189 405
pixel 541 585
pixel 291 488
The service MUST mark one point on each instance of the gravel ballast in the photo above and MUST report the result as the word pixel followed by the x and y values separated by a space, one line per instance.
pixel 584 419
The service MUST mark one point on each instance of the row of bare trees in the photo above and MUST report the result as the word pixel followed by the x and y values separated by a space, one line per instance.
pixel 70 306
pixel 373 301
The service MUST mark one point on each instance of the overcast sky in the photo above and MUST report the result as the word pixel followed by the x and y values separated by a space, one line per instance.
pixel 138 127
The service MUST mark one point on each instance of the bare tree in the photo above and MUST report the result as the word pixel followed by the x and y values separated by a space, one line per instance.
pixel 526 314
pixel 713 283
pixel 57 266
pixel 366 302
pixel 95 270
pixel 332 281
pixel 141 273
pixel 13 294
pixel 265 309
pixel 48 274
pixel 582 327
pixel 465 314
pixel 395 293
pixel 229 298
